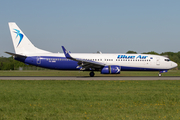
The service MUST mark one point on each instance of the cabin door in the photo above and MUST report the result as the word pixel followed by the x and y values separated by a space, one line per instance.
pixel 38 60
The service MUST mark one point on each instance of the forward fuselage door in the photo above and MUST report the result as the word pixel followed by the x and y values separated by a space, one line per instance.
pixel 157 61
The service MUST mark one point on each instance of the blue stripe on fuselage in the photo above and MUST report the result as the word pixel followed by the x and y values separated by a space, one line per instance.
pixel 59 63
pixel 62 63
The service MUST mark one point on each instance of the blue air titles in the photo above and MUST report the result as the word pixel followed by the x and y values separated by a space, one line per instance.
pixel 131 57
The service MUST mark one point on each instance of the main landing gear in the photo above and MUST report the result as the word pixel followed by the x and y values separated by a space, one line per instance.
pixel 91 74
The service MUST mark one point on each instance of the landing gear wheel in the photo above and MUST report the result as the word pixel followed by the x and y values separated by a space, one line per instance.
pixel 159 74
pixel 91 74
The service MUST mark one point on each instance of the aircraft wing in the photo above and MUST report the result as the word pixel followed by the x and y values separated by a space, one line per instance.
pixel 83 63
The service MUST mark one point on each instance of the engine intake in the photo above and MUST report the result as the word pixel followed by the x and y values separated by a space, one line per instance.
pixel 113 69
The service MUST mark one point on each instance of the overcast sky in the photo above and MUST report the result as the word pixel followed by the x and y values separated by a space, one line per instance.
pixel 109 26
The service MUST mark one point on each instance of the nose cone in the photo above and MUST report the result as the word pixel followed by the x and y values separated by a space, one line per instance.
pixel 174 64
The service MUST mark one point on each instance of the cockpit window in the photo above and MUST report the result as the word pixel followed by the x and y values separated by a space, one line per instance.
pixel 167 60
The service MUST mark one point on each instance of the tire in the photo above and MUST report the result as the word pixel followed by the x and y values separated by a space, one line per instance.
pixel 91 74
pixel 159 74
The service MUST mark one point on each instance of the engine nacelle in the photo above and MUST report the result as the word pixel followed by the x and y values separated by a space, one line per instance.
pixel 113 69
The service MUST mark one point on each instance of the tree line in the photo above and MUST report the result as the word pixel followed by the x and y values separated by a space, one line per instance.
pixel 8 63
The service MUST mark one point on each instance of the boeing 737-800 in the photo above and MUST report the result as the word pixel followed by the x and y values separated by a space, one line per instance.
pixel 26 52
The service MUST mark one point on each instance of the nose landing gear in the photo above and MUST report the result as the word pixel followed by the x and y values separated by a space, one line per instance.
pixel 163 71
pixel 159 74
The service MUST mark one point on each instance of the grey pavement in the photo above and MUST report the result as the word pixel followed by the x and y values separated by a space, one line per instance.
pixel 88 78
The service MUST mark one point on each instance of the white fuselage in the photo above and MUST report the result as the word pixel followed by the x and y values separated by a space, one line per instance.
pixel 145 61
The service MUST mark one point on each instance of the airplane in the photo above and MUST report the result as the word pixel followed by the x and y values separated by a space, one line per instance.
pixel 26 52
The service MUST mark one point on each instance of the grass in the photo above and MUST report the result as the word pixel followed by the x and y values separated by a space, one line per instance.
pixel 81 73
pixel 106 100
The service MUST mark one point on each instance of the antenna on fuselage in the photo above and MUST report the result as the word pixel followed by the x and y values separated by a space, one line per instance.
pixel 99 52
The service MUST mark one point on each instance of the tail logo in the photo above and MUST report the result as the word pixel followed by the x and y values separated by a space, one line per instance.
pixel 20 36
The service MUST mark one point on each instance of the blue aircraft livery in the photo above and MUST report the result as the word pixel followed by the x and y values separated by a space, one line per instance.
pixel 20 36
pixel 132 57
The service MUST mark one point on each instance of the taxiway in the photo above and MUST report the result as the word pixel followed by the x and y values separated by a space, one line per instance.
pixel 88 78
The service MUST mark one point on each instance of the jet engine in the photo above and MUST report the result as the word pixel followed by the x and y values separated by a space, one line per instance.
pixel 113 69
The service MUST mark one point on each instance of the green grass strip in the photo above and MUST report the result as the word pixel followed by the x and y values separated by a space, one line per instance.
pixel 75 100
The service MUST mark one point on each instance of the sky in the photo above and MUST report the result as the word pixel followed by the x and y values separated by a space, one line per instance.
pixel 88 26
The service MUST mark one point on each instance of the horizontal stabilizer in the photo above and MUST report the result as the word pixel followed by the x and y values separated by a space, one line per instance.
pixel 15 55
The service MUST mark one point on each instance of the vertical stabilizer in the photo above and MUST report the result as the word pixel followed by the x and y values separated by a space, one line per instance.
pixel 22 45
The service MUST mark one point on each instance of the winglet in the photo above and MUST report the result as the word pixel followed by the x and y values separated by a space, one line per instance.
pixel 66 53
